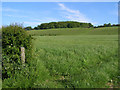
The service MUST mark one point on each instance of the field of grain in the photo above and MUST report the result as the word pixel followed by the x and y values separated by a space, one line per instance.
pixel 75 31
pixel 70 58
pixel 76 58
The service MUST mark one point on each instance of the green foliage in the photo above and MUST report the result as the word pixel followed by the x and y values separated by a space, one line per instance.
pixel 106 25
pixel 75 31
pixel 14 37
pixel 23 78
pixel 67 24
pixel 28 28
pixel 81 61
pixel 34 75
pixel 90 25
pixel 36 28
pixel 109 25
pixel 79 58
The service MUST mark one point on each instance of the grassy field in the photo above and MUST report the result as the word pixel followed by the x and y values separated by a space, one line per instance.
pixel 76 58
pixel 70 58
pixel 76 31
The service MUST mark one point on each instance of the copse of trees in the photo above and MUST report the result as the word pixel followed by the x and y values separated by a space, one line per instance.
pixel 106 25
pixel 28 28
pixel 66 24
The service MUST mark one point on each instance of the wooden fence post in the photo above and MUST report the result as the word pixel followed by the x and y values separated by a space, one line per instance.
pixel 23 55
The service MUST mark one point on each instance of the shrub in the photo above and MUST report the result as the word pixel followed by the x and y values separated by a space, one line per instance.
pixel 14 37
pixel 28 28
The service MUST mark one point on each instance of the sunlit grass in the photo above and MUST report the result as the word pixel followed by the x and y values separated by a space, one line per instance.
pixel 71 58
pixel 75 31
pixel 79 61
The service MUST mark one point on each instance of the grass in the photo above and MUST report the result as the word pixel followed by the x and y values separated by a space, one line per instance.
pixel 75 31
pixel 81 61
pixel 71 58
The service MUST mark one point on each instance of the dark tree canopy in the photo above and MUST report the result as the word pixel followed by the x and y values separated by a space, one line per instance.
pixel 67 24
pixel 28 28
pixel 63 24
pixel 106 25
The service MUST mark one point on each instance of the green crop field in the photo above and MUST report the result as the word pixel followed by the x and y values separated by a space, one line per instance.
pixel 76 31
pixel 76 58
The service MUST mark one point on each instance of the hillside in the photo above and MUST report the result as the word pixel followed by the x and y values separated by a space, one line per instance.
pixel 71 58
pixel 75 31
pixel 76 61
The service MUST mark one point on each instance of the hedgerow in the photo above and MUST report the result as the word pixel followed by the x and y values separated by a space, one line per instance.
pixel 14 37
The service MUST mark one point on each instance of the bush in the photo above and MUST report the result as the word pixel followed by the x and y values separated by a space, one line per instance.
pixel 14 37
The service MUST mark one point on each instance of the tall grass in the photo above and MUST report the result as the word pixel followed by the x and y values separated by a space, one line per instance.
pixel 79 61
pixel 71 58
pixel 75 31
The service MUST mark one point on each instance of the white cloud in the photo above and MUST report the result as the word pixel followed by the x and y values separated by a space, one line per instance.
pixel 31 23
pixel 9 10
pixel 18 16
pixel 34 21
pixel 49 19
pixel 60 0
pixel 74 15
pixel 63 7
pixel 44 20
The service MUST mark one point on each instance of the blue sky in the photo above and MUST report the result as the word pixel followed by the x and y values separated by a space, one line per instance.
pixel 34 13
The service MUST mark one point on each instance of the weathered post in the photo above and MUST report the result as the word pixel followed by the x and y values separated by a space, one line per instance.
pixel 23 55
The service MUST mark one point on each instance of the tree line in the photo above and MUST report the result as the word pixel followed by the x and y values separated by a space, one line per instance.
pixel 67 24
pixel 106 25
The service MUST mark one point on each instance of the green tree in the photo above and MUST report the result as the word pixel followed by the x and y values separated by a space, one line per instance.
pixel 63 24
pixel 105 25
pixel 28 28
pixel 44 26
pixel 90 25
pixel 109 25
pixel 36 28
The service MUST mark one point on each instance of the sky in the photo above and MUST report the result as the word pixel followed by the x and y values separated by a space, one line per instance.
pixel 60 0
pixel 35 13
